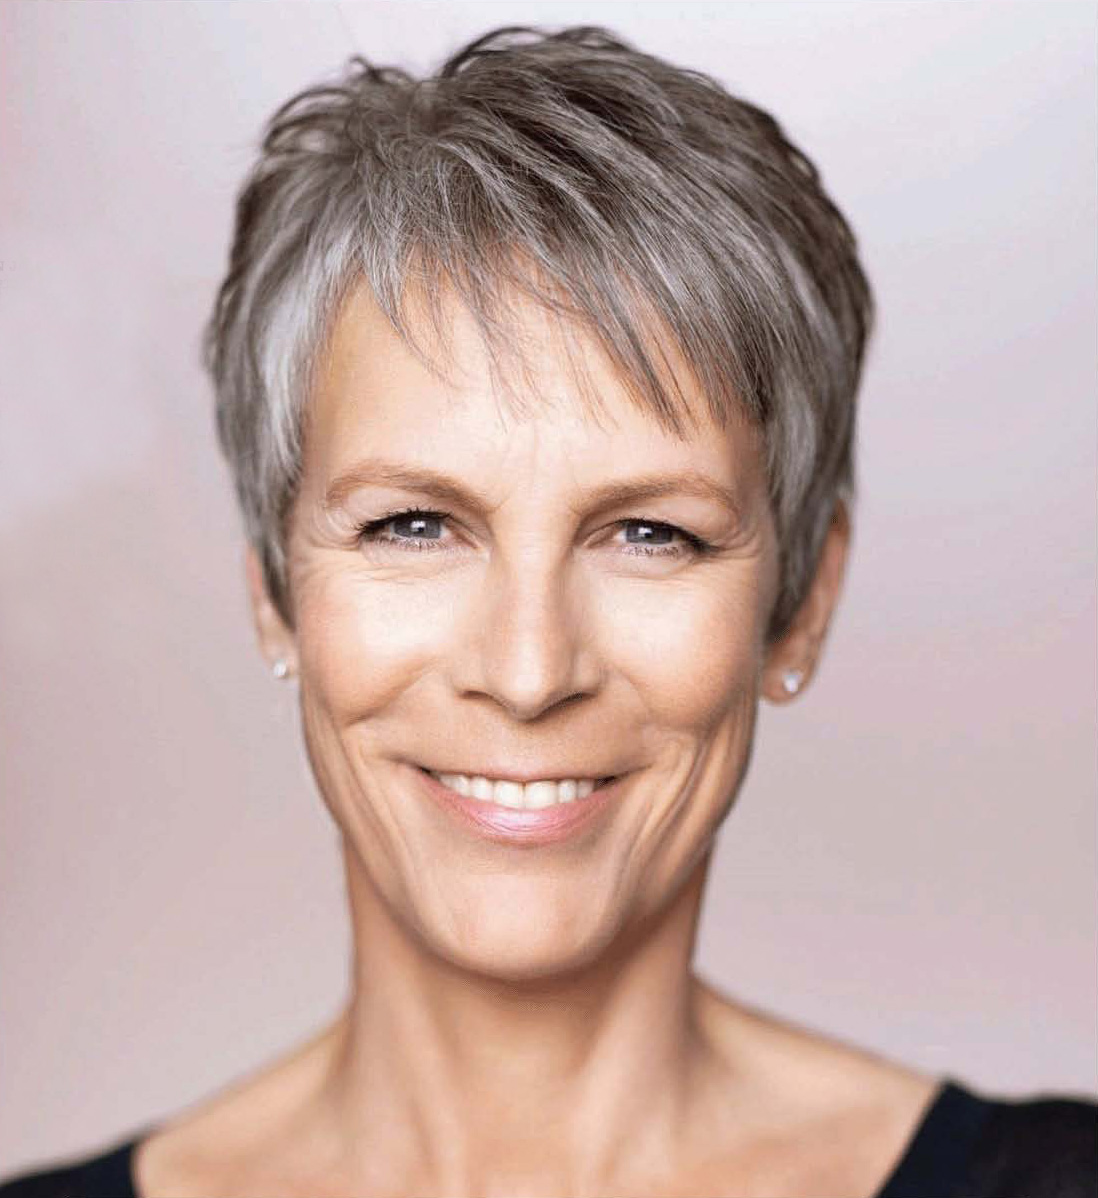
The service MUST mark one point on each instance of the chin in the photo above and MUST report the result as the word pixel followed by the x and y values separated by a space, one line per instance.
pixel 519 963
pixel 512 946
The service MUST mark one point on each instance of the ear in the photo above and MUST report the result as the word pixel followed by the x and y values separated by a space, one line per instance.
pixel 800 647
pixel 276 642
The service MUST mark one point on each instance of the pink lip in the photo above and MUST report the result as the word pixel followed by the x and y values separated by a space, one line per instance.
pixel 507 825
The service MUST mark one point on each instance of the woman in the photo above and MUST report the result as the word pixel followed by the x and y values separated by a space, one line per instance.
pixel 537 383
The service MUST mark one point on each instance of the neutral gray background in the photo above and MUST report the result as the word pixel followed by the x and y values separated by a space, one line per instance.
pixel 912 861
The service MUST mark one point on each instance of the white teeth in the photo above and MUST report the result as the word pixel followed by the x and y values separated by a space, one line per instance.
pixel 459 783
pixel 532 795
pixel 541 794
pixel 509 794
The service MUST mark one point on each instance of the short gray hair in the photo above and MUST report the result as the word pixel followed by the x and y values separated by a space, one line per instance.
pixel 622 192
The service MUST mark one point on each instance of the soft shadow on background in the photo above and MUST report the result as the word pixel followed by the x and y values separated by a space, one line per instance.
pixel 912 861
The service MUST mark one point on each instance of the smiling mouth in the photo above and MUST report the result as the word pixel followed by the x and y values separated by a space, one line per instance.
pixel 519 796
pixel 535 815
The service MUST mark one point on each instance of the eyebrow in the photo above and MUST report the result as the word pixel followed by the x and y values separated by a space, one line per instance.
pixel 422 479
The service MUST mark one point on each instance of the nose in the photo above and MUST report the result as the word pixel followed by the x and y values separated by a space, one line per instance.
pixel 531 648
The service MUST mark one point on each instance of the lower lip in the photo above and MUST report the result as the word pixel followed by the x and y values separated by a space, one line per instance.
pixel 522 826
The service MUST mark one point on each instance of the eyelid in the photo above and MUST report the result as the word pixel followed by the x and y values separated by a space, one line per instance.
pixel 692 540
pixel 366 527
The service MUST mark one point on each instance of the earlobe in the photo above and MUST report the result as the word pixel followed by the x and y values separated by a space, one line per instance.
pixel 791 680
pixel 792 660
pixel 276 642
pixel 788 667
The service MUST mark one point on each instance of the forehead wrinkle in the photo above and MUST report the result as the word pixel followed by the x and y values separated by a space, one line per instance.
pixel 427 481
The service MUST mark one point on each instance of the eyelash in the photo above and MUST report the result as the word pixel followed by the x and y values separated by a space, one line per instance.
pixel 366 534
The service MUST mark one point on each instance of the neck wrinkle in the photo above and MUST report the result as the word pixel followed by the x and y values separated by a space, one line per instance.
pixel 463 1084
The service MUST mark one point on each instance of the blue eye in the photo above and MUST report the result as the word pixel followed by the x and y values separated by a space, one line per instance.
pixel 423 534
pixel 415 520
pixel 653 534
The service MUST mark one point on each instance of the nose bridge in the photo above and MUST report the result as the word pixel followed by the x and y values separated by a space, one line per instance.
pixel 532 638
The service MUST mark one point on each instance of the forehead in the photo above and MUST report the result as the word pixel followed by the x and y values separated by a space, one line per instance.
pixel 446 395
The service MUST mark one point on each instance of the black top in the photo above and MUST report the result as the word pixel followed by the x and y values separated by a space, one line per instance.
pixel 967 1145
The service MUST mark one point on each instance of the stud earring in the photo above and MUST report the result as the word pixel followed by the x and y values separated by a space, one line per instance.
pixel 280 669
pixel 791 681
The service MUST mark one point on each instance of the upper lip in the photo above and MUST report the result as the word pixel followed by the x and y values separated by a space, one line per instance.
pixel 550 774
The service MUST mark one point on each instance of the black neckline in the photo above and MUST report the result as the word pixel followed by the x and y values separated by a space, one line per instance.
pixel 940 1148
pixel 932 1162
pixel 112 1172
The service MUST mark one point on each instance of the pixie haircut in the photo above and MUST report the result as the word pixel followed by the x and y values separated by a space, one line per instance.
pixel 636 201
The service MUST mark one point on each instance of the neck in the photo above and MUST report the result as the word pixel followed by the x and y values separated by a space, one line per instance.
pixel 466 1083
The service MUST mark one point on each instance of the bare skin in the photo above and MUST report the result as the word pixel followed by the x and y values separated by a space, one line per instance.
pixel 526 1022
pixel 779 1112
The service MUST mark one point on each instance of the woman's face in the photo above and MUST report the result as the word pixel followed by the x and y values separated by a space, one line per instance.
pixel 540 627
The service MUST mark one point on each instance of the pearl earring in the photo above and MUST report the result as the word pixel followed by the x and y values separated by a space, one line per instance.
pixel 280 669
pixel 791 681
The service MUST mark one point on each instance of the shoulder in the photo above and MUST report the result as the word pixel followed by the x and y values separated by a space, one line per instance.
pixel 1041 1146
pixel 105 1174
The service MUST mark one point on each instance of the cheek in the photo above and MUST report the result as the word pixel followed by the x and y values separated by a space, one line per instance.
pixel 690 647
pixel 692 651
pixel 361 641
